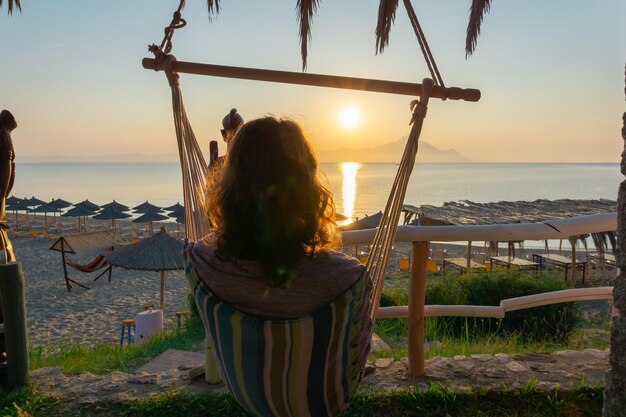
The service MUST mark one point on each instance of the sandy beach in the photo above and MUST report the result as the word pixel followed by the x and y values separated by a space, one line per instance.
pixel 94 316
pixel 88 316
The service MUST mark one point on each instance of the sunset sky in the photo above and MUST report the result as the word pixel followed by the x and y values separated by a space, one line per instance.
pixel 551 75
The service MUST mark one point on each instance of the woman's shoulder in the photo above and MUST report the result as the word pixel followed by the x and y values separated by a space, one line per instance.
pixel 203 247
pixel 331 261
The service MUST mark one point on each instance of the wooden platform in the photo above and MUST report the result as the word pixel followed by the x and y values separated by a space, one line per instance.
pixel 173 359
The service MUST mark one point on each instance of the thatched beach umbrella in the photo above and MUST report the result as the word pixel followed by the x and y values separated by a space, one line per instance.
pixel 79 211
pixel 161 252
pixel 89 205
pixel 367 222
pixel 179 216
pixel 45 209
pixel 145 207
pixel 177 213
pixel 12 200
pixel 60 203
pixel 17 206
pixel 34 202
pixel 150 216
pixel 175 208
pixel 115 206
pixel 110 213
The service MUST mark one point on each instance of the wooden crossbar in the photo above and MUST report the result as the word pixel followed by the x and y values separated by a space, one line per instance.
pixel 317 80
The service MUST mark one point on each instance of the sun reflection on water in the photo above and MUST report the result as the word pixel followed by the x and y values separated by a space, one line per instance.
pixel 349 170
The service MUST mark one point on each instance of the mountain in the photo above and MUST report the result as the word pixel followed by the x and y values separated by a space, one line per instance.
pixel 390 152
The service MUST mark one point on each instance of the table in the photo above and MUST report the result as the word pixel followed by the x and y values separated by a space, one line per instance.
pixel 560 261
pixel 461 264
pixel 517 263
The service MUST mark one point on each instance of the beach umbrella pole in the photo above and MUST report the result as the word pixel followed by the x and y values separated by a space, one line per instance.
pixel 162 288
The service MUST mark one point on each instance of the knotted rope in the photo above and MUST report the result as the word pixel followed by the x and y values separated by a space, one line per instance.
pixel 193 165
pixel 421 39
pixel 385 235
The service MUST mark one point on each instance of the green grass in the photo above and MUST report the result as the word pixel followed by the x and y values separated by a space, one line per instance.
pixel 103 359
pixel 436 402
pixel 481 336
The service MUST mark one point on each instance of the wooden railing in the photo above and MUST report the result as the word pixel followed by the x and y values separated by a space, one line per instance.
pixel 419 236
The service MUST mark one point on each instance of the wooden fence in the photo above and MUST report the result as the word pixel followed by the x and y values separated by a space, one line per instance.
pixel 416 311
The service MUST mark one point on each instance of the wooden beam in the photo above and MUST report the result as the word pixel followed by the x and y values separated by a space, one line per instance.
pixel 417 299
pixel 13 302
pixel 316 80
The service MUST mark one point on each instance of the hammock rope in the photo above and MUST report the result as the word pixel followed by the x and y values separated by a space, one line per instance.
pixel 194 168
pixel 381 246
pixel 193 165
pixel 421 39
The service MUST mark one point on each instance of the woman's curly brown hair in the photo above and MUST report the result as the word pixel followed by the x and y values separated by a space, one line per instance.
pixel 268 204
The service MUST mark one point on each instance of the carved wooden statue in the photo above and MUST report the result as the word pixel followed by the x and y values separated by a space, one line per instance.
pixel 7 178
pixel 231 122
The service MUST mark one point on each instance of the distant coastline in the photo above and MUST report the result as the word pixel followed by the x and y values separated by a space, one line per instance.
pixel 387 152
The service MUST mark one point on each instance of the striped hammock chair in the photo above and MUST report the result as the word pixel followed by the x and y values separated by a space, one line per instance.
pixel 310 366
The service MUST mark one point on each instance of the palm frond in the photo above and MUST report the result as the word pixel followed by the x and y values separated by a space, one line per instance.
pixel 580 239
pixel 478 10
pixel 12 4
pixel 306 9
pixel 213 6
pixel 386 16
pixel 602 240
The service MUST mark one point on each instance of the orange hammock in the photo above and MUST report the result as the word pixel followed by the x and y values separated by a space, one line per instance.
pixel 98 263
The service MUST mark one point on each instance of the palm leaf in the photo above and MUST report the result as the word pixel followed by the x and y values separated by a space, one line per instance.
pixel 602 240
pixel 575 240
pixel 478 10
pixel 12 4
pixel 213 6
pixel 306 9
pixel 386 16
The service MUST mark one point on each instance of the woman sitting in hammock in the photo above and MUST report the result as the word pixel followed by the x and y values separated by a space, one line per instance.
pixel 297 312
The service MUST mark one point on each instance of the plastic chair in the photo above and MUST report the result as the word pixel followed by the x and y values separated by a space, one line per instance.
pixel 404 264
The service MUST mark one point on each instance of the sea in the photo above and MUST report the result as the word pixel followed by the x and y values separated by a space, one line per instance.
pixel 358 188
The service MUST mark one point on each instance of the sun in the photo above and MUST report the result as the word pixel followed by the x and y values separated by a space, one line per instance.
pixel 349 117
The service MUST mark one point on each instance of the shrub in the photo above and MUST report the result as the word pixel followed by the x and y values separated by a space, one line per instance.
pixel 553 323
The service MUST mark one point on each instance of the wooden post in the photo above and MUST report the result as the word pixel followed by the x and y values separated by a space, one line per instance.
pixel 211 370
pixel 14 314
pixel 573 263
pixel 67 281
pixel 469 255
pixel 417 299
pixel 162 287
